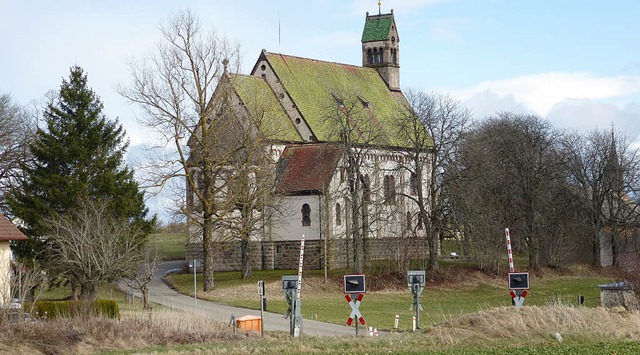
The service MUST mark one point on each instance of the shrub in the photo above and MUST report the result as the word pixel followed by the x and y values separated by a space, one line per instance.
pixel 71 309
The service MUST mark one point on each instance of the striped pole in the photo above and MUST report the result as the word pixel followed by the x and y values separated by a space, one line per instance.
pixel 511 267
pixel 300 268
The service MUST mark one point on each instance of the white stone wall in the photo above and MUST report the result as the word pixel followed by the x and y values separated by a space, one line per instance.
pixel 289 225
pixel 5 272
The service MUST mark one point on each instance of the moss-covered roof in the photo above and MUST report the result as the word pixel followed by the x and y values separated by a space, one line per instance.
pixel 315 85
pixel 377 28
pixel 260 100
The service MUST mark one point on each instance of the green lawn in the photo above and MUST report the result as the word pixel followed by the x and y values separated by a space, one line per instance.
pixel 169 246
pixel 442 302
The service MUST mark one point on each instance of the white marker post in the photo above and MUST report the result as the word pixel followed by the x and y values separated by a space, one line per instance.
pixel 297 325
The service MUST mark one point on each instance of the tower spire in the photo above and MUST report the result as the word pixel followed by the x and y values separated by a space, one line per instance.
pixel 379 8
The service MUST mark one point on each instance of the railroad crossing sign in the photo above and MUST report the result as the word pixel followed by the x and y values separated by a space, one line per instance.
pixel 518 281
pixel 355 312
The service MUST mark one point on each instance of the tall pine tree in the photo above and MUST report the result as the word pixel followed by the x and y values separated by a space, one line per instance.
pixel 78 157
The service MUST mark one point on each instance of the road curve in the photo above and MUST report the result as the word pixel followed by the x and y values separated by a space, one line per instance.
pixel 160 292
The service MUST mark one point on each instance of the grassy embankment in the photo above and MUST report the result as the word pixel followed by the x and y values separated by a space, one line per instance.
pixel 464 315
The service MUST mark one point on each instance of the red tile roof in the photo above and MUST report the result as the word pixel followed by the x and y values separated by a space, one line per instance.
pixel 306 168
pixel 8 231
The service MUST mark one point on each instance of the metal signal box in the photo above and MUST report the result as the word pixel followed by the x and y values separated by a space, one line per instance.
pixel 518 280
pixel 416 277
pixel 289 282
pixel 354 284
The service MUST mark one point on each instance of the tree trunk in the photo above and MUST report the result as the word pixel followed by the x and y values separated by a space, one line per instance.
pixel 207 251
pixel 88 292
pixel 245 251
pixel 145 296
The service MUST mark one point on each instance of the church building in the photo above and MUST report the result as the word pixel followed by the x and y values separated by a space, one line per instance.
pixel 340 156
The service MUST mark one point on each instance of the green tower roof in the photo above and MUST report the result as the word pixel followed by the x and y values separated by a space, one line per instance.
pixel 377 28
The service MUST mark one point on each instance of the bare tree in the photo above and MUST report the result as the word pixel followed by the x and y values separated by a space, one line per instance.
pixel 606 172
pixel 93 246
pixel 175 87
pixel 434 125
pixel 17 128
pixel 141 276
pixel 359 136
pixel 511 174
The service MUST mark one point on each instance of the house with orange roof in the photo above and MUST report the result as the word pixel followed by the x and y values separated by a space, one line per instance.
pixel 8 232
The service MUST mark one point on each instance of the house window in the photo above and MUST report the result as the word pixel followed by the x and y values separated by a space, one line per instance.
pixel 338 214
pixel 413 184
pixel 389 190
pixel 306 215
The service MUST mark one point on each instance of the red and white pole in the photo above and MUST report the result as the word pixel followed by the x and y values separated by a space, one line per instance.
pixel 511 267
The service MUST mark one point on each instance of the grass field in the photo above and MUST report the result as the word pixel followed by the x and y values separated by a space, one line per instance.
pixel 441 301
pixel 169 246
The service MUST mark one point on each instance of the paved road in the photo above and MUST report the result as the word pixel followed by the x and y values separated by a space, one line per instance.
pixel 160 293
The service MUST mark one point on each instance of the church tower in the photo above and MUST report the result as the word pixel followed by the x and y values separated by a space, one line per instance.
pixel 380 49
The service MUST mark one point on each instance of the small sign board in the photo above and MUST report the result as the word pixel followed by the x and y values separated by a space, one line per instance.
pixel 518 280
pixel 289 282
pixel 416 277
pixel 354 284
pixel 261 288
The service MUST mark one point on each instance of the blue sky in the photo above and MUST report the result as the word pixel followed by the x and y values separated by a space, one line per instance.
pixel 575 63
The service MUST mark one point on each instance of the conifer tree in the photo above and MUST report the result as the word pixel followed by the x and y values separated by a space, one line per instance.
pixel 77 157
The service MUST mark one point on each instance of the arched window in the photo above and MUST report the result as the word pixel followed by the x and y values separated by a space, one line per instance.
pixel 394 57
pixel 338 214
pixel 366 188
pixel 413 184
pixel 369 56
pixel 381 55
pixel 375 56
pixel 389 190
pixel 306 214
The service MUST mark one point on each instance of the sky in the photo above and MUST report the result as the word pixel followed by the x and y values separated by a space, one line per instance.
pixel 575 63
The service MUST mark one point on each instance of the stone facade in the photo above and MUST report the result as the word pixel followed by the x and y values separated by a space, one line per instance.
pixel 284 255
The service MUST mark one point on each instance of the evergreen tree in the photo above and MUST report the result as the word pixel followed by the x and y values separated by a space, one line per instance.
pixel 78 157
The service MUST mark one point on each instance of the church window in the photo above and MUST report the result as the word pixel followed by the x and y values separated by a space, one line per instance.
pixel 413 184
pixel 389 190
pixel 381 55
pixel 281 95
pixel 263 67
pixel 394 57
pixel 366 188
pixel 375 56
pixel 306 214
pixel 369 56
pixel 338 214
pixel 298 120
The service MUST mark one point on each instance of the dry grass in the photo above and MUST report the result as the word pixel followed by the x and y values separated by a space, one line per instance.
pixel 540 323
pixel 82 336
pixel 170 332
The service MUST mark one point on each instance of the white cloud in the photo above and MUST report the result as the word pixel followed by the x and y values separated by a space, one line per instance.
pixel 540 92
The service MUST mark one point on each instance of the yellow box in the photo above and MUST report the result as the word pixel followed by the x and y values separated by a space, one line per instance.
pixel 248 323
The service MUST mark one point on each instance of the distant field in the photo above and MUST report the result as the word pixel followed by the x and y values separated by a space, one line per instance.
pixel 170 246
